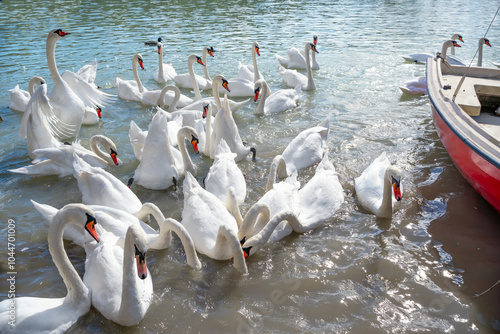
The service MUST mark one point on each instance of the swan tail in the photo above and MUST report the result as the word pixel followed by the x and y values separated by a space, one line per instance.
pixel 237 105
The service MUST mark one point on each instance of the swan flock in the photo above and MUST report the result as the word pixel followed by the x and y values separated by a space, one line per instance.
pixel 112 224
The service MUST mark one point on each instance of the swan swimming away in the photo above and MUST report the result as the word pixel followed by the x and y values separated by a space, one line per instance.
pixel 379 186
pixel 295 58
pixel 19 98
pixel 59 160
pixel 55 315
pixel 307 148
pixel 276 102
pixel 225 173
pixel 292 78
pixel 421 58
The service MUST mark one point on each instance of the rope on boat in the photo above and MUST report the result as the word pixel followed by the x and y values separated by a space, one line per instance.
pixel 470 64
pixel 487 290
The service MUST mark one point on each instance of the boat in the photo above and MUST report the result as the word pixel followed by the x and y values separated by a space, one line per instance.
pixel 464 102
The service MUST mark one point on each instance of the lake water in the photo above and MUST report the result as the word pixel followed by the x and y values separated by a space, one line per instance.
pixel 420 271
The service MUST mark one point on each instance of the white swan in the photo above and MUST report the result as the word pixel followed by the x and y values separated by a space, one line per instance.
pixel 278 101
pixel 67 105
pixel 185 80
pixel 132 89
pixel 376 186
pixel 446 45
pixel 421 58
pixel 39 124
pixel 307 148
pixel 116 222
pixel 170 96
pixel 293 78
pixel 218 80
pixel 213 229
pixel 159 167
pixel 295 58
pixel 98 187
pixel 89 73
pixel 59 160
pixel 482 41
pixel 210 51
pixel 118 276
pixel 190 80
pixel 416 86
pixel 225 128
pixel 164 72
pixel 54 315
pixel 225 173
pixel 19 98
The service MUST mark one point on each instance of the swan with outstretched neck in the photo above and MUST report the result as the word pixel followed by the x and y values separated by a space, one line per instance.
pixel 189 78
pixel 59 160
pixel 55 315
pixel 292 78
pixel 132 89
pixel 482 41
pixel 164 72
pixel 376 187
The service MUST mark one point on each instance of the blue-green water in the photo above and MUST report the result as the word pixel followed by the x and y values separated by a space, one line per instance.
pixel 418 271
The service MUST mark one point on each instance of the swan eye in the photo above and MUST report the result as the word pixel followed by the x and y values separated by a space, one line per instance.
pixel 140 254
pixel 246 251
pixel 257 49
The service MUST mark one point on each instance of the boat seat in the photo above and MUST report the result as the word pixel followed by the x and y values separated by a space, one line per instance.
pixel 467 97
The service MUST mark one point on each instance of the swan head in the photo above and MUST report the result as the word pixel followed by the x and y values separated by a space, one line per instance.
pixel 90 226
pixel 58 34
pixel 393 175
pixel 160 46
pixel 257 87
pixel 138 59
pixel 210 50
pixel 114 156
pixel 486 41
pixel 195 59
pixel 459 37
pixel 205 110
pixel 195 142
pixel 313 47
pixel 315 39
pixel 257 48
pixel 98 111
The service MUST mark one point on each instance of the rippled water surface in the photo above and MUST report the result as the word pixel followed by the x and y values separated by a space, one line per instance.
pixel 417 272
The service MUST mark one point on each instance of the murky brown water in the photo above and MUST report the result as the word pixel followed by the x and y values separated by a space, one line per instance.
pixel 419 271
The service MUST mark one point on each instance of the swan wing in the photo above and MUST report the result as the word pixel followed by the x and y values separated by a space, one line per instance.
pixel 88 72
pixel 89 94
pixel 369 185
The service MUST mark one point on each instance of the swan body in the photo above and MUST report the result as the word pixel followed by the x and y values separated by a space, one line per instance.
pixel 67 105
pixel 99 187
pixel 55 315
pixel 377 185
pixel 416 86
pixel 307 148
pixel 132 89
pixel 39 124
pixel 295 58
pixel 278 101
pixel 159 167
pixel 19 98
pixel 204 83
pixel 190 80
pixel 421 58
pixel 59 160
pixel 224 173
pixel 292 78
pixel 251 72
pixel 164 72
pixel 225 128
pixel 213 229
pixel 118 276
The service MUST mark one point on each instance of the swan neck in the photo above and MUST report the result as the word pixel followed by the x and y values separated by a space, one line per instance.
pixel 310 80
pixel 232 206
pixel 51 61
pixel 181 142
pixel 255 67
pixel 444 50
pixel 231 238
pixel 385 210
pixel 136 76
pixel 250 224
pixel 130 290
pixel 262 102
pixel 208 132
pixel 94 147
pixel 278 167
pixel 197 95
pixel 173 225
pixel 205 69
pixel 77 291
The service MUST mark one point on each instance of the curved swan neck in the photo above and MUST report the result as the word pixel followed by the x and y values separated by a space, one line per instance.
pixel 255 243
pixel 250 224
pixel 191 60
pixel 51 59
pixel 232 206
pixel 177 95
pixel 36 80
pixel 278 167
pixel 173 225
pixel 147 209
pixel 77 291
pixel 94 146
pixel 230 237
pixel 136 74
pixel 184 133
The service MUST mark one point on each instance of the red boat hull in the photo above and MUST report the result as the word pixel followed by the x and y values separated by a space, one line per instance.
pixel 478 171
